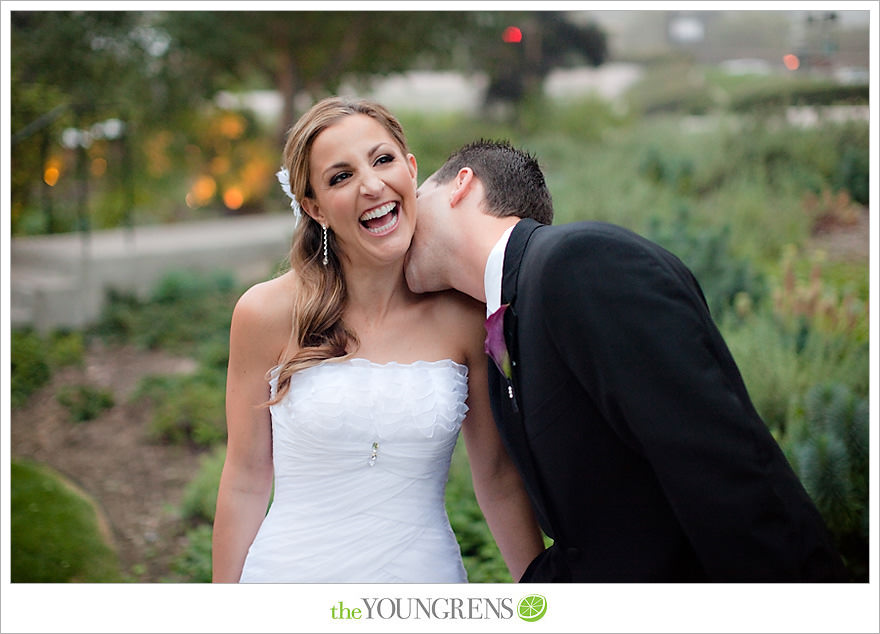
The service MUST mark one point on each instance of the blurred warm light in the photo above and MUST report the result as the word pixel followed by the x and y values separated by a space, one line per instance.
pixel 255 174
pixel 232 126
pixel 52 171
pixel 98 167
pixel 791 62
pixel 233 198
pixel 50 175
pixel 202 191
pixel 157 149
pixel 220 165
pixel 512 34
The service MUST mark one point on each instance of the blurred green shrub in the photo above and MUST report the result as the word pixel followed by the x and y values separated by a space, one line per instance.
pixel 677 86
pixel 34 357
pixel 200 495
pixel 30 365
pixel 780 362
pixel 55 536
pixel 84 402
pixel 187 409
pixel 831 156
pixel 797 93
pixel 580 120
pixel 811 301
pixel 186 310
pixel 662 168
pixel 827 443
pixel 193 564
pixel 707 252
pixel 66 348
pixel 851 173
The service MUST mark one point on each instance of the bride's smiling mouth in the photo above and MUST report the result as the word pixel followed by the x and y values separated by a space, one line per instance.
pixel 380 220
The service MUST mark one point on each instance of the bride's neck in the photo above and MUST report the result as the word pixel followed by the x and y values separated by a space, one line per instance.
pixel 371 296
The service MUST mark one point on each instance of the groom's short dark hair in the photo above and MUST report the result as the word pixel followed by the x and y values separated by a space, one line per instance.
pixel 512 179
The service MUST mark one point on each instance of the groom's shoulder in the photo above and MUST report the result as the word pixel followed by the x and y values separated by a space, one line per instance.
pixel 577 238
pixel 592 230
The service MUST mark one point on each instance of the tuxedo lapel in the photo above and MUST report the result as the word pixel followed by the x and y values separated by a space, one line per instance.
pixel 513 254
pixel 509 394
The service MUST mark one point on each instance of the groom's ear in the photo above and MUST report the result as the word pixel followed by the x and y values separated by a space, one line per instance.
pixel 463 184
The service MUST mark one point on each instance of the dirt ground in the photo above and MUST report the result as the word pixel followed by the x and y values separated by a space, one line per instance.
pixel 137 483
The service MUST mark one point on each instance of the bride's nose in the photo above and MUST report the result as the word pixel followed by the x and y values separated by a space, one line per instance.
pixel 372 185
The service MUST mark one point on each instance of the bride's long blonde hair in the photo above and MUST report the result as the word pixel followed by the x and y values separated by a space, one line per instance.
pixel 318 331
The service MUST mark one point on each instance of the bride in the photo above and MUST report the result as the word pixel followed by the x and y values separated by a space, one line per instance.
pixel 347 391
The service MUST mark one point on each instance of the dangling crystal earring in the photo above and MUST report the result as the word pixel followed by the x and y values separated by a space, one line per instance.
pixel 325 245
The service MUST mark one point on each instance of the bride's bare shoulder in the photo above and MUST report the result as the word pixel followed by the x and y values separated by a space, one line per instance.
pixel 267 304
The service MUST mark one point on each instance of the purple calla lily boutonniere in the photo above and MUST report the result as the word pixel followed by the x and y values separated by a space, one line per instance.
pixel 495 346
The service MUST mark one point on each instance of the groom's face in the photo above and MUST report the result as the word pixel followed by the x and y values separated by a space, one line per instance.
pixel 427 255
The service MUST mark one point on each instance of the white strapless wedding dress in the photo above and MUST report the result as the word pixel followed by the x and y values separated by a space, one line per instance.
pixel 362 453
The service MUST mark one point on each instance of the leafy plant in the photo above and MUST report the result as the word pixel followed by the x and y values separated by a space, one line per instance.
pixel 779 363
pixel 827 442
pixel 66 348
pixel 707 252
pixel 85 402
pixel 30 366
pixel 186 409
pixel 193 564
pixel 200 495
pixel 852 172
pixel 811 302
pixel 662 168
pixel 185 311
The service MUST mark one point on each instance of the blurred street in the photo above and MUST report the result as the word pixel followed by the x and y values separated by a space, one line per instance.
pixel 59 281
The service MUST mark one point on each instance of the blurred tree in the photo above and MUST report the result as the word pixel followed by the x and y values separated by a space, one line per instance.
pixel 72 69
pixel 549 39
pixel 307 51
pixel 160 72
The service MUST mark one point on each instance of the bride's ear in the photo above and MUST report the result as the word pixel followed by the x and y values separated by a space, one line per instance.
pixel 413 168
pixel 310 206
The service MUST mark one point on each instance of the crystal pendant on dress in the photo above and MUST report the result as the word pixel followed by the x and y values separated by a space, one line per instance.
pixel 374 454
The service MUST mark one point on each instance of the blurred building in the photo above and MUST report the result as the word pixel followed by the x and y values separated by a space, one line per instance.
pixel 826 39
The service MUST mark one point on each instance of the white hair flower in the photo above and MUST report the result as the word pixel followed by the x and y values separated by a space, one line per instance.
pixel 284 178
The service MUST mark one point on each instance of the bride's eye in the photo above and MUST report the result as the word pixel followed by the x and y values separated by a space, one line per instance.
pixel 385 158
pixel 338 178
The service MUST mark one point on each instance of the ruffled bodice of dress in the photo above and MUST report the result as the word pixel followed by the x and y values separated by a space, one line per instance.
pixel 361 453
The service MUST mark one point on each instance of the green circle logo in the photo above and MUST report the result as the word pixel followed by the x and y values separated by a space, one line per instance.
pixel 532 607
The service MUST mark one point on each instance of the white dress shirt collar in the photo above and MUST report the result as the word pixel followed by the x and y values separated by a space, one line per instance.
pixel 494 272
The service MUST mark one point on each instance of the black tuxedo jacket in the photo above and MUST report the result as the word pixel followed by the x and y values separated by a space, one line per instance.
pixel 630 423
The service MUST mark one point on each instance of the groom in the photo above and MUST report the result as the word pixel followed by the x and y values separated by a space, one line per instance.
pixel 614 392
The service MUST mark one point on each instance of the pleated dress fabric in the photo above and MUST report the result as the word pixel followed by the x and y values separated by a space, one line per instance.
pixel 362 453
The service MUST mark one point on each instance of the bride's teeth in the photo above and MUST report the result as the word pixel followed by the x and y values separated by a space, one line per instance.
pixel 378 212
pixel 384 227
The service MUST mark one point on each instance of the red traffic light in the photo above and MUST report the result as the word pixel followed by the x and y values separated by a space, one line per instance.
pixel 512 34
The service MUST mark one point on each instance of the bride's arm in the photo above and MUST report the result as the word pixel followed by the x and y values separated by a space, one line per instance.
pixel 246 481
pixel 497 484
